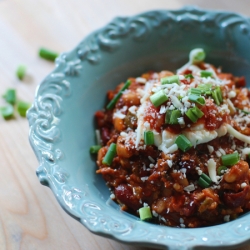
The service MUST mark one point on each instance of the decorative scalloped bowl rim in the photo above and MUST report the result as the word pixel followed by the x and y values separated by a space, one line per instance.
pixel 48 110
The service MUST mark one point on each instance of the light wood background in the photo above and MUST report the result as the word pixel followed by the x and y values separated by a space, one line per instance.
pixel 30 217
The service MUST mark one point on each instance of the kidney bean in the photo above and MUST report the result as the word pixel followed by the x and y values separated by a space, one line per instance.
pixel 124 194
pixel 234 200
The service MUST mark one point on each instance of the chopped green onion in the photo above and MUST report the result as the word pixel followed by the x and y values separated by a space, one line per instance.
pixel 197 112
pixel 217 96
pixel 197 99
pixel 149 137
pixel 48 54
pixel 206 178
pixel 194 91
pixel 206 73
pixel 183 143
pixel 145 213
pixel 22 108
pixel 194 114
pixel 243 111
pixel 168 116
pixel 204 181
pixel 205 88
pixel 220 169
pixel 108 158
pixel 197 56
pixel 170 80
pixel 7 112
pixel 189 76
pixel 112 103
pixel 158 98
pixel 189 113
pixel 230 159
pixel 20 72
pixel 174 117
pixel 94 149
pixel 10 96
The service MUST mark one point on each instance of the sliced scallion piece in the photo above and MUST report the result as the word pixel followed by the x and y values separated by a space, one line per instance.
pixel 195 91
pixel 10 96
pixel 197 99
pixel 158 98
pixel 112 103
pixel 190 76
pixel 22 108
pixel 243 111
pixel 48 54
pixel 220 169
pixel 205 88
pixel 174 116
pixel 189 113
pixel 183 143
pixel 197 56
pixel 197 112
pixel 219 94
pixel 194 114
pixel 206 178
pixel 145 213
pixel 7 112
pixel 149 137
pixel 21 72
pixel 94 149
pixel 205 73
pixel 170 80
pixel 108 158
pixel 215 96
pixel 230 159
pixel 168 116
pixel 204 181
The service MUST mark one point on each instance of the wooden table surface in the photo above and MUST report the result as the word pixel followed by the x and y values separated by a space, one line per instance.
pixel 30 217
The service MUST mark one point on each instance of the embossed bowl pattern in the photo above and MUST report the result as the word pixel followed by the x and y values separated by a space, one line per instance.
pixel 62 125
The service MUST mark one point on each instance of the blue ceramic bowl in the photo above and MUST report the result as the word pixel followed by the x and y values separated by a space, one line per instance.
pixel 62 124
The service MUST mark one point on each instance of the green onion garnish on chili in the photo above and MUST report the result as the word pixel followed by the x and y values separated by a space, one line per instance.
pixel 195 91
pixel 167 116
pixel 174 117
pixel 230 159
pixel 197 99
pixel 217 95
pixel 112 103
pixel 111 153
pixel 205 88
pixel 158 98
pixel 183 143
pixel 194 114
pixel 170 80
pixel 190 76
pixel 94 149
pixel 48 54
pixel 243 111
pixel 145 213
pixel 149 137
pixel 206 73
pixel 197 56
pixel 204 181
pixel 221 170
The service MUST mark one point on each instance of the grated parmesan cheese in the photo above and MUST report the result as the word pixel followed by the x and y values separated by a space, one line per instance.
pixel 211 165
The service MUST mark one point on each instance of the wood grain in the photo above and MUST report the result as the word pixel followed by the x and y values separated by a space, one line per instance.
pixel 30 217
